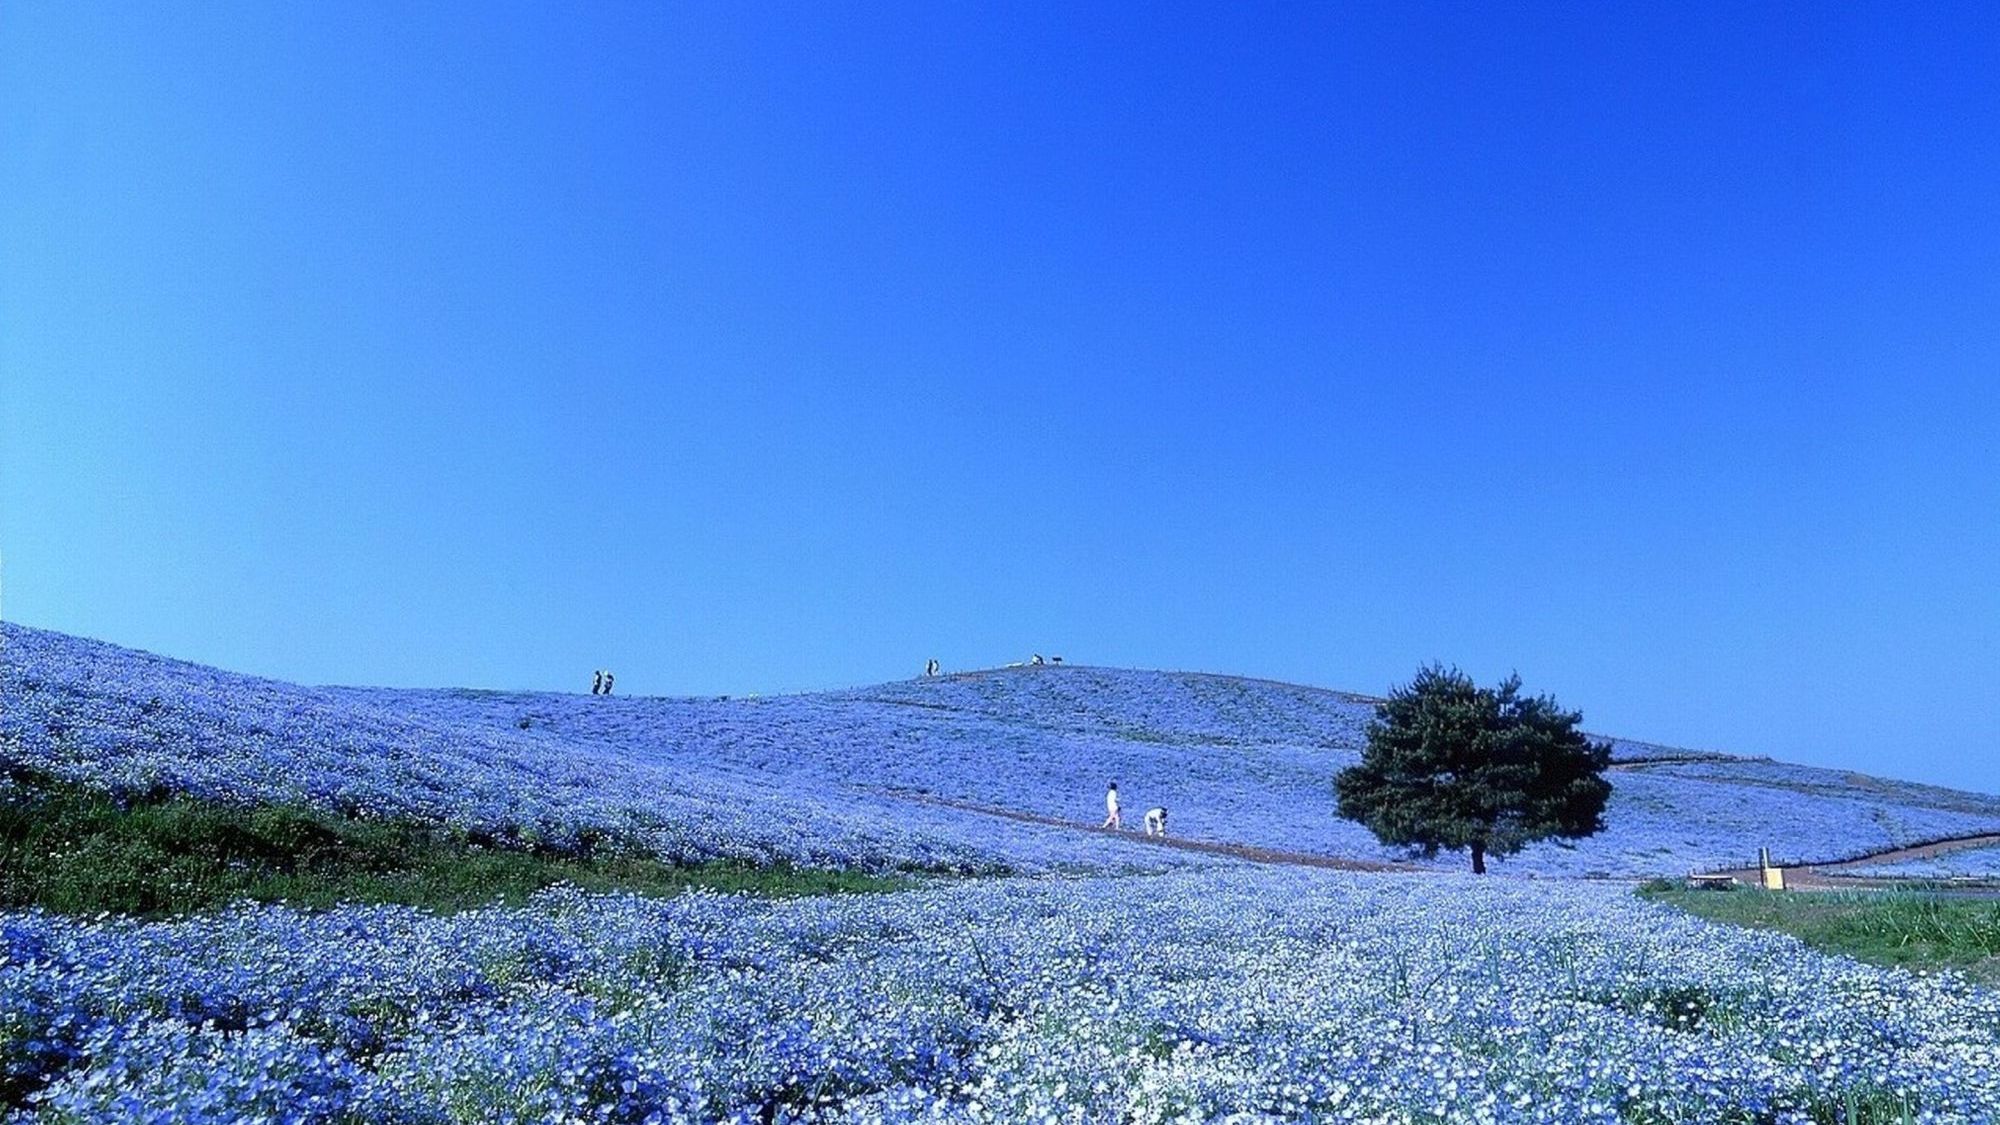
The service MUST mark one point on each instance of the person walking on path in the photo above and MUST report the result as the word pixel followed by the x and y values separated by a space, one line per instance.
pixel 1156 821
pixel 1113 820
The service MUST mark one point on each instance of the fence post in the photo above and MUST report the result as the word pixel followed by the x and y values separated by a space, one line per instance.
pixel 1774 877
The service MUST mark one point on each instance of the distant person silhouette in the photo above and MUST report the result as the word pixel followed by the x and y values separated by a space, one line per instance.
pixel 1112 820
pixel 1156 821
pixel 1037 660
pixel 597 682
pixel 608 677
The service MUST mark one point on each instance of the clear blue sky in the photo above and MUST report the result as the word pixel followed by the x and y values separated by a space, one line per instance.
pixel 1651 350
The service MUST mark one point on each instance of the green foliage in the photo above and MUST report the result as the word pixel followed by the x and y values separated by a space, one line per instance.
pixel 1910 929
pixel 1451 765
pixel 74 850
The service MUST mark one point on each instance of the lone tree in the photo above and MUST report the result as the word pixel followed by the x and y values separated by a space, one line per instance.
pixel 1453 765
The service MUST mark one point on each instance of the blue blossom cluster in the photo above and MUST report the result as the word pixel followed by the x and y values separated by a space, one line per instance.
pixel 136 723
pixel 1241 761
pixel 1244 995
pixel 815 779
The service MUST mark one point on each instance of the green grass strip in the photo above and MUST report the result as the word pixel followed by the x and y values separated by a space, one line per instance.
pixel 73 850
pixel 1911 929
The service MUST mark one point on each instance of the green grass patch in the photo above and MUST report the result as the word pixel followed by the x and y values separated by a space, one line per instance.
pixel 73 850
pixel 1911 929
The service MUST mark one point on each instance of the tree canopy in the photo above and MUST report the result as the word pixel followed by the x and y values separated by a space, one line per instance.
pixel 1451 765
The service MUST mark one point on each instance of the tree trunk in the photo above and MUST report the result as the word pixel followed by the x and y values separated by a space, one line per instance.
pixel 1479 859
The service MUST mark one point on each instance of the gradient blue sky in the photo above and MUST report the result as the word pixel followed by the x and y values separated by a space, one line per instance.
pixel 1650 350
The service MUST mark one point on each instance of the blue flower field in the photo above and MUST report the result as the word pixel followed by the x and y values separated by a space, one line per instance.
pixel 1239 995
pixel 1036 973
pixel 813 779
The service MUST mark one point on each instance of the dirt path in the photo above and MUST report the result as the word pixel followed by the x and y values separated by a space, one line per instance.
pixel 1822 875
pixel 1921 851
pixel 1804 876
pixel 1181 843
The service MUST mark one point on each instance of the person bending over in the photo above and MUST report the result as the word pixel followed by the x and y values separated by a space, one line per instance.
pixel 1156 821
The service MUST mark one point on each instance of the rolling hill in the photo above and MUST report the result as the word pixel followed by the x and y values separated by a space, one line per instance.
pixel 880 777
pixel 1104 988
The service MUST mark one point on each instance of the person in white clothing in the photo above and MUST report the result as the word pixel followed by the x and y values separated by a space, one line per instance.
pixel 1111 807
pixel 1156 821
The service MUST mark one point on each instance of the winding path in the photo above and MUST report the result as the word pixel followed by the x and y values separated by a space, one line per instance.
pixel 1181 843
pixel 1819 875
pixel 1801 875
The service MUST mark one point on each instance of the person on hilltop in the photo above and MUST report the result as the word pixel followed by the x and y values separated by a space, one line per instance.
pixel 1112 820
pixel 608 677
pixel 597 682
pixel 1156 821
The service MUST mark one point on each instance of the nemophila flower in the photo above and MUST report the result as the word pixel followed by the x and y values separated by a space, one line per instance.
pixel 138 724
pixel 1232 995
pixel 1221 994
pixel 808 779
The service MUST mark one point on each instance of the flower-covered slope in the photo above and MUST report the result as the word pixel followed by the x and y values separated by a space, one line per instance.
pixel 1249 995
pixel 820 778
pixel 1234 760
pixel 139 723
